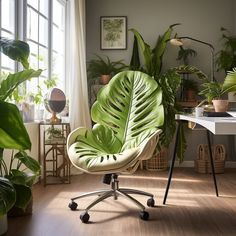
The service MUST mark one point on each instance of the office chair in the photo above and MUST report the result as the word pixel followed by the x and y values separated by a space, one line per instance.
pixel 128 113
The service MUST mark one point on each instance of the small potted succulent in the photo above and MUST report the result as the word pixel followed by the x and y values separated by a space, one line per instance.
pixel 104 69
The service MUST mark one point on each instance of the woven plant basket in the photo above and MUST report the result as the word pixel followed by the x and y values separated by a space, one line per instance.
pixel 219 160
pixel 159 161
pixel 202 163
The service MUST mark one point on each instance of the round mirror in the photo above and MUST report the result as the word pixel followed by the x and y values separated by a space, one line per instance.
pixel 55 102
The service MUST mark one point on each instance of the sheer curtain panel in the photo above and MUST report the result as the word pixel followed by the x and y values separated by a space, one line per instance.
pixel 76 65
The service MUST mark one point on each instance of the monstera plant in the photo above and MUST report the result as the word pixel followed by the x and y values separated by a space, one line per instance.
pixel 14 182
pixel 128 111
pixel 169 81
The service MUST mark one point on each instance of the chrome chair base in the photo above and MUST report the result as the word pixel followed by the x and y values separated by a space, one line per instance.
pixel 115 192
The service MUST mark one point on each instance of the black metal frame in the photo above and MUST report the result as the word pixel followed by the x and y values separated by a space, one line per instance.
pixel 179 123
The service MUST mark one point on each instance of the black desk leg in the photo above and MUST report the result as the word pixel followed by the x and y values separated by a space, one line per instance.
pixel 173 161
pixel 212 163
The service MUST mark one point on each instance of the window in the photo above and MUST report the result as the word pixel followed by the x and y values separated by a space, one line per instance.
pixel 7 29
pixel 44 30
pixel 46 37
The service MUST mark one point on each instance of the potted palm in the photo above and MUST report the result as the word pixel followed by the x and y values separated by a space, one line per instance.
pixel 104 68
pixel 214 91
pixel 14 181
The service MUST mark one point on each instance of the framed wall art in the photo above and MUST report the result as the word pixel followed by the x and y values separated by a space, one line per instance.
pixel 113 30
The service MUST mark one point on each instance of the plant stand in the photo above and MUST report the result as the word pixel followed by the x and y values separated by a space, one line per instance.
pixel 56 164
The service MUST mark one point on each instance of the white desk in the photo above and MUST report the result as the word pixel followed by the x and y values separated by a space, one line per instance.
pixel 215 125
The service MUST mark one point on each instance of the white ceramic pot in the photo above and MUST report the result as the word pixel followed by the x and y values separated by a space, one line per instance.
pixel 3 224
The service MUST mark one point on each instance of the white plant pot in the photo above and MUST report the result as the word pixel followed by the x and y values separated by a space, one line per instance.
pixel 3 224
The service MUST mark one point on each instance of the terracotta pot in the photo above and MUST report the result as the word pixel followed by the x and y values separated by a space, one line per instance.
pixel 190 95
pixel 220 105
pixel 105 79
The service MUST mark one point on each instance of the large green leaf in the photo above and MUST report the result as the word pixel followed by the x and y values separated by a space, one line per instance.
pixel 12 81
pixel 23 195
pixel 135 61
pixel 159 50
pixel 7 196
pixel 146 51
pixel 13 134
pixel 229 84
pixel 28 161
pixel 130 105
pixel 16 50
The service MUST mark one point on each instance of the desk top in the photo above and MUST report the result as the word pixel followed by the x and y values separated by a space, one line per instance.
pixel 217 125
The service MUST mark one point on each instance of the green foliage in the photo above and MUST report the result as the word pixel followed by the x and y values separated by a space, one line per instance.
pixel 190 84
pixel 168 81
pixel 17 50
pixel 226 58
pixel 135 61
pixel 7 195
pixel 153 57
pixel 215 90
pixel 100 66
pixel 13 134
pixel 14 80
pixel 128 110
pixel 185 53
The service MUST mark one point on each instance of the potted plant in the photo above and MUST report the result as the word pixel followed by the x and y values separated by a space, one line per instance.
pixel 169 81
pixel 14 181
pixel 104 68
pixel 190 89
pixel 226 57
pixel 214 91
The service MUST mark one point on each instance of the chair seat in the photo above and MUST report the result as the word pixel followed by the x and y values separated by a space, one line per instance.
pixel 121 162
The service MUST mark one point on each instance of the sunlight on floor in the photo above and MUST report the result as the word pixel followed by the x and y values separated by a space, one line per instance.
pixel 159 178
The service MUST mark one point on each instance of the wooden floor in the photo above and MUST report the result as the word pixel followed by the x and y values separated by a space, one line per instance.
pixel 192 207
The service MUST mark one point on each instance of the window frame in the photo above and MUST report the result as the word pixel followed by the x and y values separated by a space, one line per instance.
pixel 20 32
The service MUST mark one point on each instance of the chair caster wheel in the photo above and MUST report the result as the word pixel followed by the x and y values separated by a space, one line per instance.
pixel 151 202
pixel 84 217
pixel 144 215
pixel 73 206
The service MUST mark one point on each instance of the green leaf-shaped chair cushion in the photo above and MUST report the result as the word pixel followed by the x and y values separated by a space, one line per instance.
pixel 128 113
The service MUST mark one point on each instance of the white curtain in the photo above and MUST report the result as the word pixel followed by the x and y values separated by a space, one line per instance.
pixel 76 65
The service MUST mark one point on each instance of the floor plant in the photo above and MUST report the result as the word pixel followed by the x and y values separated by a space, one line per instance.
pixel 17 177
pixel 168 80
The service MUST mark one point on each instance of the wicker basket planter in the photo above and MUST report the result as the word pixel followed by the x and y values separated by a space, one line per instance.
pixel 159 161
pixel 203 165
